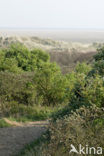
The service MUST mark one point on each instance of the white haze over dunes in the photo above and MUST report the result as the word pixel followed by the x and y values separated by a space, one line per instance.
pixel 71 35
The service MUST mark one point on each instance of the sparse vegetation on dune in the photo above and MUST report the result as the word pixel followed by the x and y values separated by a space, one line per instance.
pixel 65 53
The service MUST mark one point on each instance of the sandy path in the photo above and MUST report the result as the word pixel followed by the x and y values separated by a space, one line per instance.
pixel 13 139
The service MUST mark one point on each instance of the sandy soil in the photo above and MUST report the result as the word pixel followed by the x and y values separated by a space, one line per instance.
pixel 13 139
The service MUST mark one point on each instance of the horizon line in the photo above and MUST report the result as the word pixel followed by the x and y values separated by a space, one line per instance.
pixel 40 28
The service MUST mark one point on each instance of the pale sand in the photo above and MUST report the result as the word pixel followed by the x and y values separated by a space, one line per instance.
pixel 58 34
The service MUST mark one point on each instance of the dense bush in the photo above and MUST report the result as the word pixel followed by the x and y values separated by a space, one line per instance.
pixel 16 89
pixel 35 81
pixel 100 55
pixel 50 84
pixel 85 126
pixel 99 61
pixel 28 78
pixel 18 58
pixel 83 68
pixel 83 90
pixel 88 90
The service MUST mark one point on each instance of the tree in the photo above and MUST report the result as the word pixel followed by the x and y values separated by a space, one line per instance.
pixel 99 61
pixel 100 55
pixel 83 68
pixel 19 58
pixel 50 84
pixel 94 91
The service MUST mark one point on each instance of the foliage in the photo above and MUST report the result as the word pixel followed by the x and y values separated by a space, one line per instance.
pixel 83 68
pixel 23 113
pixel 88 90
pixel 3 123
pixel 33 88
pixel 85 127
pixel 100 55
pixel 50 84
pixel 84 90
pixel 18 58
pixel 82 127
pixel 18 98
pixel 99 67
pixel 16 88
pixel 94 91
pixel 99 61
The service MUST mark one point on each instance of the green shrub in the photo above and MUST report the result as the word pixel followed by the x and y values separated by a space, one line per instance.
pixel 82 127
pixel 17 58
pixel 99 61
pixel 100 55
pixel 83 68
pixel 17 88
pixel 87 90
pixel 94 91
pixel 50 84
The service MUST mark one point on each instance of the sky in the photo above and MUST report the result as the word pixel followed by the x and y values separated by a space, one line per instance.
pixel 76 14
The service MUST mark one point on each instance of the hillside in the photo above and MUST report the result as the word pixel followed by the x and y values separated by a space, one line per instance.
pixel 65 53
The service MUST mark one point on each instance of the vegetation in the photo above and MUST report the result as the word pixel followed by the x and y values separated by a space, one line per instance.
pixel 3 123
pixel 33 88
pixel 18 58
pixel 85 126
pixel 65 53
pixel 51 84
pixel 99 61
pixel 34 85
pixel 34 147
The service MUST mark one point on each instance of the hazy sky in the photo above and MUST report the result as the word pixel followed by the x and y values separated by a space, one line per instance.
pixel 52 13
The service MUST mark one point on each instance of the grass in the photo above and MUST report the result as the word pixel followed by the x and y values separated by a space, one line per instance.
pixel 29 113
pixel 3 123
pixel 38 113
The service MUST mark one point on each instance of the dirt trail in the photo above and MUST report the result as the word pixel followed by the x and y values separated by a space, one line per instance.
pixel 13 139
